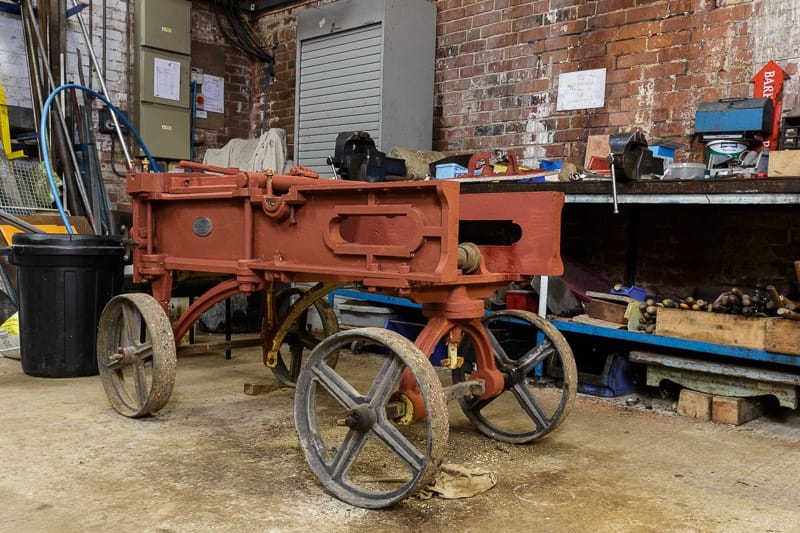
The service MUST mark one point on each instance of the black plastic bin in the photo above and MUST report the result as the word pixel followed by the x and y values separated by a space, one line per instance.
pixel 63 284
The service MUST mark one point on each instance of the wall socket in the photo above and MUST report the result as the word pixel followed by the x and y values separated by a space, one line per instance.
pixel 106 124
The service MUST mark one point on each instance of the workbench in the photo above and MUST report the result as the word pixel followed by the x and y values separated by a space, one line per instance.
pixel 712 191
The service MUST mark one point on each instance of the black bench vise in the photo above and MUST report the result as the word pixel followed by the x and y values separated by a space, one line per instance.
pixel 357 158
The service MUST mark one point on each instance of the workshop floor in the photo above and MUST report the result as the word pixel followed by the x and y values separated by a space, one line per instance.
pixel 215 458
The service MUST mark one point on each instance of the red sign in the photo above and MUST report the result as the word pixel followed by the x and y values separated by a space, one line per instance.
pixel 769 84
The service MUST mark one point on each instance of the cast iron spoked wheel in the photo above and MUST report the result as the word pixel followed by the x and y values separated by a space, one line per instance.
pixel 531 405
pixel 300 337
pixel 355 428
pixel 136 354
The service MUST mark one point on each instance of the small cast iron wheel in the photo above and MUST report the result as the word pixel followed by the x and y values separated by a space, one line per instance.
pixel 301 337
pixel 526 348
pixel 354 426
pixel 136 354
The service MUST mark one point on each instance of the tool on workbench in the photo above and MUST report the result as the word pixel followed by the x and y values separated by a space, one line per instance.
pixel 484 165
pixel 358 159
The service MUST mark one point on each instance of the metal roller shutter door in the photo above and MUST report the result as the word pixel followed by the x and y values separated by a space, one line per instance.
pixel 339 90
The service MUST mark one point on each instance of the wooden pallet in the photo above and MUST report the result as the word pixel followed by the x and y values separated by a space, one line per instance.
pixel 719 379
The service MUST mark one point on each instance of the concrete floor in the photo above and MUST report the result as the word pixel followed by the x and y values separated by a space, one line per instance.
pixel 216 459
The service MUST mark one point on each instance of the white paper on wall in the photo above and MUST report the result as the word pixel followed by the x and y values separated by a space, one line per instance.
pixel 213 93
pixel 584 89
pixel 166 79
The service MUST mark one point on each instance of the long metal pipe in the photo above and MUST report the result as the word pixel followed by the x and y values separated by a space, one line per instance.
pixel 101 79
pixel 62 122
pixel 33 74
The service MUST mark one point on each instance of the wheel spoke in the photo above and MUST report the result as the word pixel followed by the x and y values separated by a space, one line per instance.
pixel 386 381
pixel 131 326
pixel 347 453
pixel 296 363
pixel 497 348
pixel 140 382
pixel 338 387
pixel 533 358
pixel 307 340
pixel 529 405
pixel 400 445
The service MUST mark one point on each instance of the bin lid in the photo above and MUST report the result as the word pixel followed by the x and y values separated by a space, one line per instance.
pixel 58 244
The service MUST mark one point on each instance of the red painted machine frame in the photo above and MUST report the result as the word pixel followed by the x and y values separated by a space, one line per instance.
pixel 400 238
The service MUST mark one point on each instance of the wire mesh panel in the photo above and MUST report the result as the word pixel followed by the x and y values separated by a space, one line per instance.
pixel 24 188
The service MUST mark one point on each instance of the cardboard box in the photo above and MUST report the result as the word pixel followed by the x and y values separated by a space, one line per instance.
pixel 784 164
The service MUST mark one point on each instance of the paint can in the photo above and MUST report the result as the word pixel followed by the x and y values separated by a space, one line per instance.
pixel 722 151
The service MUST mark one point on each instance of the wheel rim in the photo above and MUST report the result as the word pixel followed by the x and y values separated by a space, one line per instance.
pixel 136 354
pixel 349 440
pixel 300 339
pixel 524 345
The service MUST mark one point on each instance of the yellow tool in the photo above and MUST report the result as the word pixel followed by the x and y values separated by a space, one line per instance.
pixel 5 129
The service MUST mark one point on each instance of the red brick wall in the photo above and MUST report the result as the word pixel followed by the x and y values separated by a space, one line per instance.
pixel 240 74
pixel 498 62
pixel 497 72
pixel 279 27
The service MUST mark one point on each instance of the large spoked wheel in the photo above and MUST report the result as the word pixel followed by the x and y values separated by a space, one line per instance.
pixel 354 427
pixel 303 335
pixel 136 354
pixel 531 405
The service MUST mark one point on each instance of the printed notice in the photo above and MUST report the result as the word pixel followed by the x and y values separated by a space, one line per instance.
pixel 213 93
pixel 584 89
pixel 166 79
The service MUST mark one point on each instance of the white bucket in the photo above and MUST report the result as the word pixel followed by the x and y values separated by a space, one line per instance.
pixel 721 151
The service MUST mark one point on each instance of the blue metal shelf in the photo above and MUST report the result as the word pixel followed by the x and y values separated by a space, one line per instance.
pixel 679 344
pixel 637 337
pixel 372 297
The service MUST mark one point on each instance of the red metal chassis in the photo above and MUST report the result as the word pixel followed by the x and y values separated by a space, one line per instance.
pixel 399 238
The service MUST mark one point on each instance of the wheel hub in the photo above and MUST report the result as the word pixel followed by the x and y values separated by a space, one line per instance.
pixel 361 418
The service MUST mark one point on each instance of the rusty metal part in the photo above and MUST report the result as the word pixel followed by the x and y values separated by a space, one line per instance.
pixel 524 346
pixel 465 389
pixel 481 161
pixel 136 354
pixel 303 171
pixel 469 257
pixel 220 292
pixel 343 428
pixel 207 347
pixel 276 326
pixel 439 325
pixel 292 331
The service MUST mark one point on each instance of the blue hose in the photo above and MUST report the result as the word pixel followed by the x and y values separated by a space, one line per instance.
pixel 46 155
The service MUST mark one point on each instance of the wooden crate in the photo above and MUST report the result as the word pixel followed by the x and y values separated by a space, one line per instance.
pixel 746 332
pixel 782 336
pixel 608 311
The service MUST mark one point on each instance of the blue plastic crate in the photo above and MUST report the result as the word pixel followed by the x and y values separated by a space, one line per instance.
pixel 544 164
pixel 449 170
